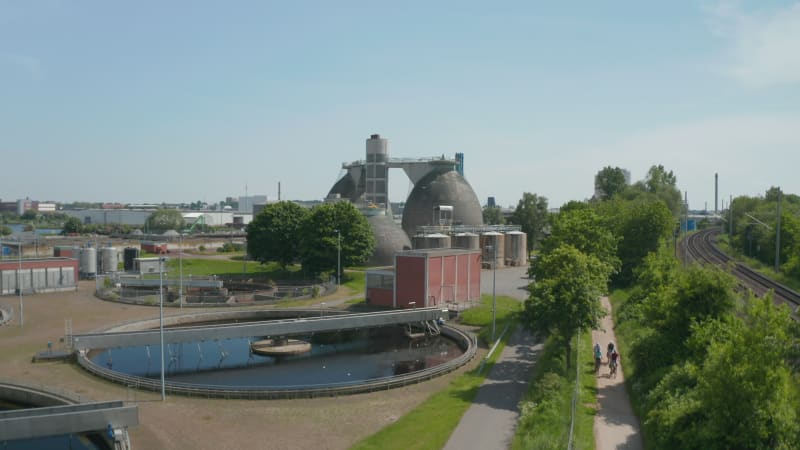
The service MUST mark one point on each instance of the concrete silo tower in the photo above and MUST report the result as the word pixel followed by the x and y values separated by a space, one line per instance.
pixel 377 186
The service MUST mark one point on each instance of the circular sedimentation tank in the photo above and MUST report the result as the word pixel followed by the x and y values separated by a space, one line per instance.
pixel 440 188
pixel 339 362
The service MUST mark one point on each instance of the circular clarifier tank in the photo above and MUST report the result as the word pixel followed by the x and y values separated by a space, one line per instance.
pixel 333 363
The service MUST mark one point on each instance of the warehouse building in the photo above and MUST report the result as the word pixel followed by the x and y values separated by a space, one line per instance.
pixel 38 275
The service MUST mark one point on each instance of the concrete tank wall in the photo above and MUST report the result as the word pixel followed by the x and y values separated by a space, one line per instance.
pixel 489 242
pixel 516 248
pixel 88 262
pixel 469 241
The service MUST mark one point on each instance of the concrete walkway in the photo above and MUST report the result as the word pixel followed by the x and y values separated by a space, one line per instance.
pixel 491 421
pixel 615 425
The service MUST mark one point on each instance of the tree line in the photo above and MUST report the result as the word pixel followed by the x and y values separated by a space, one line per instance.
pixel 320 238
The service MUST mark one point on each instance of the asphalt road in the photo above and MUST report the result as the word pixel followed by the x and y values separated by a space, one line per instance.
pixel 492 419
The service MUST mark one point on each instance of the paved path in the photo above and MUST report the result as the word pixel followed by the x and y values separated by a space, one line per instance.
pixel 615 425
pixel 492 419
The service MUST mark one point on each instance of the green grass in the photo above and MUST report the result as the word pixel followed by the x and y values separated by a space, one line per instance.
pixel 430 424
pixel 221 267
pixel 355 280
pixel 546 410
pixel 768 270
pixel 481 315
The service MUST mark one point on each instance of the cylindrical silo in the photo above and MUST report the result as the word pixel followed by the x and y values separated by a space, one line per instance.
pixel 516 248
pixel 377 188
pixel 108 259
pixel 492 242
pixel 438 240
pixel 128 256
pixel 88 262
pixel 470 241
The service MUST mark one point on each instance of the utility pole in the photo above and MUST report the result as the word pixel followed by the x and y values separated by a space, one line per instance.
pixel 778 235
pixel 730 222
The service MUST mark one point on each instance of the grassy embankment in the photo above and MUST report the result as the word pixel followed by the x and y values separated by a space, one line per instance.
pixel 546 410
pixel 430 424
pixel 764 269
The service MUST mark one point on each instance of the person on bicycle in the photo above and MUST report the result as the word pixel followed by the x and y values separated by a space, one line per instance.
pixel 613 361
pixel 598 358
pixel 609 351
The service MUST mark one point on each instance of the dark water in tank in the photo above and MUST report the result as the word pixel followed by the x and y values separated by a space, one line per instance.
pixel 335 358
pixel 82 441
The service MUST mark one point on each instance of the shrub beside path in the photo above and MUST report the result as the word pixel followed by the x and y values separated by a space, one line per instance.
pixel 615 425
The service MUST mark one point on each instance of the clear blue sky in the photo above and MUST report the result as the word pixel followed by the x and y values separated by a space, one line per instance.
pixel 188 100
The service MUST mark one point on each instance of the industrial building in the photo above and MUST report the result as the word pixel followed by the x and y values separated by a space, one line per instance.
pixel 429 277
pixel 38 275
pixel 437 181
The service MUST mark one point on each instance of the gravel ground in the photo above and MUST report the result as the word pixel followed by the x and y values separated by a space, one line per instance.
pixel 179 422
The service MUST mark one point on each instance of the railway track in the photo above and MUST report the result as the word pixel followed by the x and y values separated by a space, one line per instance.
pixel 701 247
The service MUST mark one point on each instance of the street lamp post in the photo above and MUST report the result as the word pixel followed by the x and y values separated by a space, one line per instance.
pixel 494 285
pixel 161 320
pixel 339 258
pixel 19 283
pixel 180 265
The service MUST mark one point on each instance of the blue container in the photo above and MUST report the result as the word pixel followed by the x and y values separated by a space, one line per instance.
pixel 691 224
pixel 6 251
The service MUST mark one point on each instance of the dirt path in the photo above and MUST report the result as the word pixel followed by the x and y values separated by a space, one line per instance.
pixel 615 425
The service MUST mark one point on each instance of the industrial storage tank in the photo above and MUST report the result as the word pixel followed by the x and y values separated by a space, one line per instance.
pixel 435 240
pixel 492 242
pixel 516 249
pixel 389 239
pixel 129 255
pixel 88 262
pixel 438 188
pixel 108 259
pixel 470 241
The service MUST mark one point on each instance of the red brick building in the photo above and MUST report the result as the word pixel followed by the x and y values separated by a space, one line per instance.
pixel 427 277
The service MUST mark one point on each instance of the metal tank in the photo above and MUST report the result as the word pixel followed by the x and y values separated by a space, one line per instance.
pixel 490 242
pixel 129 255
pixel 516 248
pixel 436 240
pixel 108 259
pixel 470 241
pixel 88 262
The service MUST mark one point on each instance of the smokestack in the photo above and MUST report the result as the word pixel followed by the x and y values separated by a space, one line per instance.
pixel 716 191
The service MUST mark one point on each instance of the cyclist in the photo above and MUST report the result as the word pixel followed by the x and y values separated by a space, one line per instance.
pixel 609 350
pixel 598 358
pixel 613 362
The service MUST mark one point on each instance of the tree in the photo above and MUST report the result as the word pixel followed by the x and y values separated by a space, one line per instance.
pixel 531 216
pixel 609 182
pixel 565 298
pixel 493 215
pixel 274 234
pixel 5 230
pixel 583 229
pixel 320 239
pixel 642 227
pixel 164 219
pixel 72 225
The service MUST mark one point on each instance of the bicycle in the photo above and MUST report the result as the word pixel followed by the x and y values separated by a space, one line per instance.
pixel 613 372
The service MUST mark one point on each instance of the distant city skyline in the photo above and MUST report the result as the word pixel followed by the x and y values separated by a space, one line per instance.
pixel 186 101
